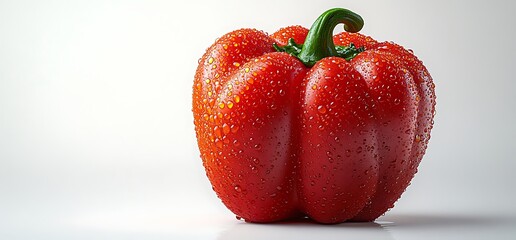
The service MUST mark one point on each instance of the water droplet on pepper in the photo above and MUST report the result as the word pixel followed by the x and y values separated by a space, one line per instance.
pixel 321 109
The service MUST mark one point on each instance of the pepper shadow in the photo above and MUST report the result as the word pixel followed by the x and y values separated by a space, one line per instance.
pixel 383 228
pixel 301 229
pixel 442 221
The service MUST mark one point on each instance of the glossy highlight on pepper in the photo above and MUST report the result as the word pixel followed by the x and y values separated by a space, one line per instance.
pixel 301 123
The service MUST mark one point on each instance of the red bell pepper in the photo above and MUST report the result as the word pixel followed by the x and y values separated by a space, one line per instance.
pixel 332 129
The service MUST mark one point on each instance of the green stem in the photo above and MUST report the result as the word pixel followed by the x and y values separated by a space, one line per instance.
pixel 319 41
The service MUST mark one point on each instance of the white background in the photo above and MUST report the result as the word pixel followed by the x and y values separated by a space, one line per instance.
pixel 97 138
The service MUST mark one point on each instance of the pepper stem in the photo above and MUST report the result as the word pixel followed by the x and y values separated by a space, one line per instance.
pixel 319 41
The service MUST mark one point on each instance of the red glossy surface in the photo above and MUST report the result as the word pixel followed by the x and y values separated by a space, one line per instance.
pixel 335 142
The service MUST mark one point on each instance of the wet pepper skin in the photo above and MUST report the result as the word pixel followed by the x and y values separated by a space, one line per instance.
pixel 336 141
